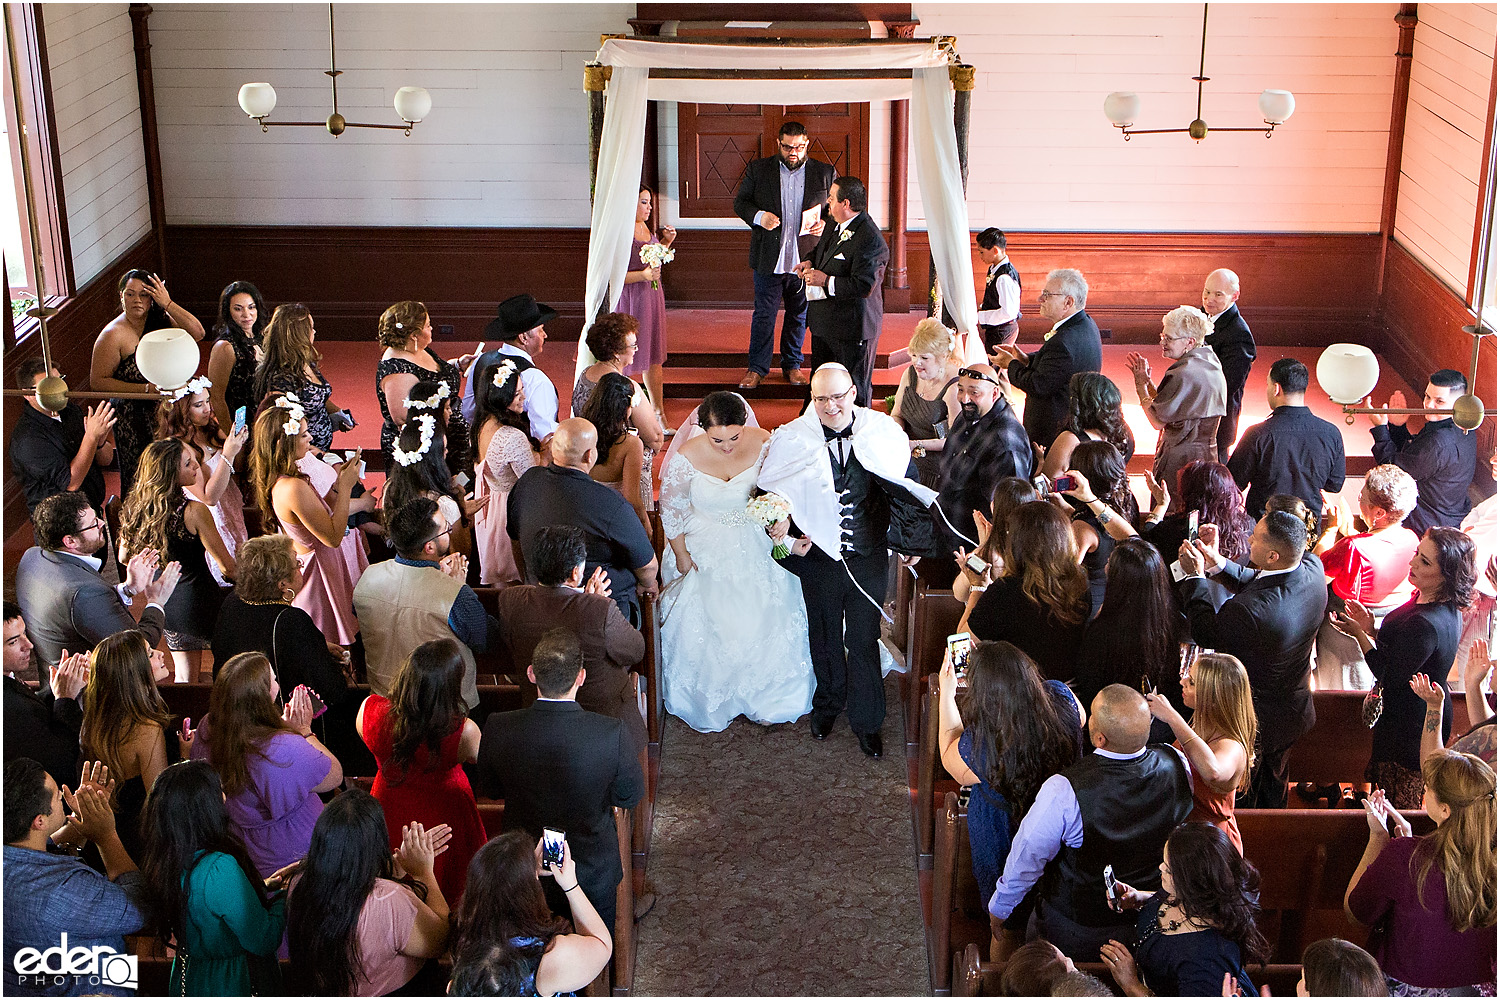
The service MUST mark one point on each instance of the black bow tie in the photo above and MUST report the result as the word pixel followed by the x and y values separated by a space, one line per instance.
pixel 829 434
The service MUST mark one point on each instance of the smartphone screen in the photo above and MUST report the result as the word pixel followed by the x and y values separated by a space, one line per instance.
pixel 959 645
pixel 1192 535
pixel 1109 887
pixel 976 564
pixel 1062 484
pixel 239 420
pixel 552 846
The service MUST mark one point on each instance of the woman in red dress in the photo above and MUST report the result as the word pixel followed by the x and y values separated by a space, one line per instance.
pixel 421 739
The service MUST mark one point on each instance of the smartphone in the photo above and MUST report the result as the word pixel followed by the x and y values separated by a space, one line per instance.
pixel 239 420
pixel 1192 534
pixel 462 479
pixel 1109 887
pixel 318 708
pixel 1063 483
pixel 1042 485
pixel 959 644
pixel 976 564
pixel 552 846
pixel 187 725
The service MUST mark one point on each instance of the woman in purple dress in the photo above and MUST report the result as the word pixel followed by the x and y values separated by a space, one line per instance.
pixel 644 299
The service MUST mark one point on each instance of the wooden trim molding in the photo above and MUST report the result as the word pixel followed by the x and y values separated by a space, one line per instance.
pixel 1299 288
pixel 140 13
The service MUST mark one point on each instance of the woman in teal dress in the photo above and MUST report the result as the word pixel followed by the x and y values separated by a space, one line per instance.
pixel 208 901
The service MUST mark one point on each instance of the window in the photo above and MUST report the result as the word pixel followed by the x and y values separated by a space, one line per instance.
pixel 25 36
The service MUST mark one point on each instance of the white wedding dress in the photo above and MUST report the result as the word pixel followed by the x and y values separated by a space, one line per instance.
pixel 734 630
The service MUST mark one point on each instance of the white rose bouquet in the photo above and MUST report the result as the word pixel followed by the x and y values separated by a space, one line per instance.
pixel 766 510
pixel 655 255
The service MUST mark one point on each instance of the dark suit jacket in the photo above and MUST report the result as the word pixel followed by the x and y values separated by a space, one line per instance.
pixel 760 191
pixel 853 313
pixel 44 728
pixel 1235 347
pixel 612 647
pixel 560 766
pixel 1043 376
pixel 1269 624
pixel 68 606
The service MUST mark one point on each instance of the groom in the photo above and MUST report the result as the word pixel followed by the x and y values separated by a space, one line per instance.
pixel 848 475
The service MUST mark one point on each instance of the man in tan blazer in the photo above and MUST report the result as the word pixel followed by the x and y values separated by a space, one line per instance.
pixel 561 599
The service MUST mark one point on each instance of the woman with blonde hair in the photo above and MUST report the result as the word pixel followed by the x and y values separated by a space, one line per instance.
pixel 290 365
pixel 125 725
pixel 405 331
pixel 927 397
pixel 1041 600
pixel 1190 400
pixel 159 515
pixel 1431 900
pixel 189 417
pixel 317 525
pixel 1220 742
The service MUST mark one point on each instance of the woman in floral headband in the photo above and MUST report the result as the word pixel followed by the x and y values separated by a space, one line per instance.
pixel 505 451
pixel 418 469
pixel 405 331
pixel 317 525
pixel 189 417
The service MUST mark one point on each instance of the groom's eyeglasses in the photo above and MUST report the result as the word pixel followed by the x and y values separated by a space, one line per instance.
pixel 825 400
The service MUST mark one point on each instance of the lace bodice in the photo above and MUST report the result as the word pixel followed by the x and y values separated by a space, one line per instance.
pixel 686 493
pixel 507 458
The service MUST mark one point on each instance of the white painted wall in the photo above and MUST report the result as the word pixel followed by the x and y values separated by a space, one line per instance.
pixel 506 143
pixel 96 106
pixel 1453 57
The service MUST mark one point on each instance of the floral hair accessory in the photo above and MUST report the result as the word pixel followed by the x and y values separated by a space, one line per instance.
pixel 294 414
pixel 197 385
pixel 431 402
pixel 400 327
pixel 503 371
pixel 406 458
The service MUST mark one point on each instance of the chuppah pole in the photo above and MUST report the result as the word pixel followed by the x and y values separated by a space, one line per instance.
pixel 595 77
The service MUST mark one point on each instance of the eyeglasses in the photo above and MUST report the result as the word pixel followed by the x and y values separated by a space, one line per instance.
pixel 446 531
pixel 88 527
pixel 825 400
pixel 1044 296
pixel 982 376
pixel 800 147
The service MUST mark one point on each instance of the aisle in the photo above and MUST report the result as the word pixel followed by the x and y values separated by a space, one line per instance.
pixel 782 866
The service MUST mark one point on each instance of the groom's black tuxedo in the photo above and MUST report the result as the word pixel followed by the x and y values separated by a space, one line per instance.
pixel 846 324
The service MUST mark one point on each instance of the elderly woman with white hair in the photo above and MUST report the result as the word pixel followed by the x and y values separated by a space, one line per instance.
pixel 927 399
pixel 1367 566
pixel 1190 400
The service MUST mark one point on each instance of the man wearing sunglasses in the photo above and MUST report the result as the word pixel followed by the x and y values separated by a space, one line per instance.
pixel 775 198
pixel 986 444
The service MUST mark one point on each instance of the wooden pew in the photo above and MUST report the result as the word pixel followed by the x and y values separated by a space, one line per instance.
pixel 975 977
pixel 1337 748
pixel 932 780
pixel 933 617
pixel 959 915
pixel 191 700
pixel 901 604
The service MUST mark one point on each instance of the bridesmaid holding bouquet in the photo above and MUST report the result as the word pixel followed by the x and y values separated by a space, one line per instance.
pixel 644 299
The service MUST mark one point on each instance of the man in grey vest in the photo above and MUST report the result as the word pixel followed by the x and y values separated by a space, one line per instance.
pixel 418 597
pixel 1115 806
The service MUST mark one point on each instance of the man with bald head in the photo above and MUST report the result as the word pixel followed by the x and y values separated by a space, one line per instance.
pixel 1116 807
pixel 563 494
pixel 1234 346
pixel 985 444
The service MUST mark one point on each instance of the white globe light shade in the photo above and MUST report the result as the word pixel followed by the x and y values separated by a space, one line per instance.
pixel 1348 372
pixel 1122 107
pixel 257 99
pixel 168 358
pixel 1276 106
pixel 413 103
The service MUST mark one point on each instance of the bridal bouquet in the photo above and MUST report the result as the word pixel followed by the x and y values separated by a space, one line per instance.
pixel 766 510
pixel 655 255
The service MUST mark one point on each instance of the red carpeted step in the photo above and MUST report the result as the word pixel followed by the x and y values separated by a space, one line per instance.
pixel 695 383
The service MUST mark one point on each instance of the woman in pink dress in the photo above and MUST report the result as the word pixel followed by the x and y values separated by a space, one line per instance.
pixel 189 417
pixel 318 524
pixel 505 451
pixel 644 299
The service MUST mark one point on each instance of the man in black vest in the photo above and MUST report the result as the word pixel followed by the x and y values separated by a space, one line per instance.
pixel 1234 346
pixel 1116 807
pixel 843 278
pixel 1269 625
pixel 1000 309
pixel 1072 345
pixel 774 196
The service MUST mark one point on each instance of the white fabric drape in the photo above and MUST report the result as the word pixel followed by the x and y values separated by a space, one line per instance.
pixel 623 143
pixel 935 148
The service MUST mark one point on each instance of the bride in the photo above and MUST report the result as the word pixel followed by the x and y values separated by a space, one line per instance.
pixel 734 628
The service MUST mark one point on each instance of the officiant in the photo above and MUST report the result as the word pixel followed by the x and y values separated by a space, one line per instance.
pixel 781 198
pixel 847 472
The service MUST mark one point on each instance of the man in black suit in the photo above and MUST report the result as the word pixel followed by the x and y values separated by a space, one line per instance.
pixel 843 278
pixel 42 725
pixel 1072 345
pixel 557 765
pixel 66 603
pixel 1232 342
pixel 1269 624
pixel 773 195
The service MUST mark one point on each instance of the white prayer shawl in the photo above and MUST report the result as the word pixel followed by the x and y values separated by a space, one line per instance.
pixel 797 467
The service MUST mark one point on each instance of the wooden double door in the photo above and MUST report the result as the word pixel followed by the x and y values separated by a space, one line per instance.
pixel 716 142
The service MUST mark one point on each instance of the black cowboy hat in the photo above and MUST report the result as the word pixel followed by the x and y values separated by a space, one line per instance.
pixel 516 315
